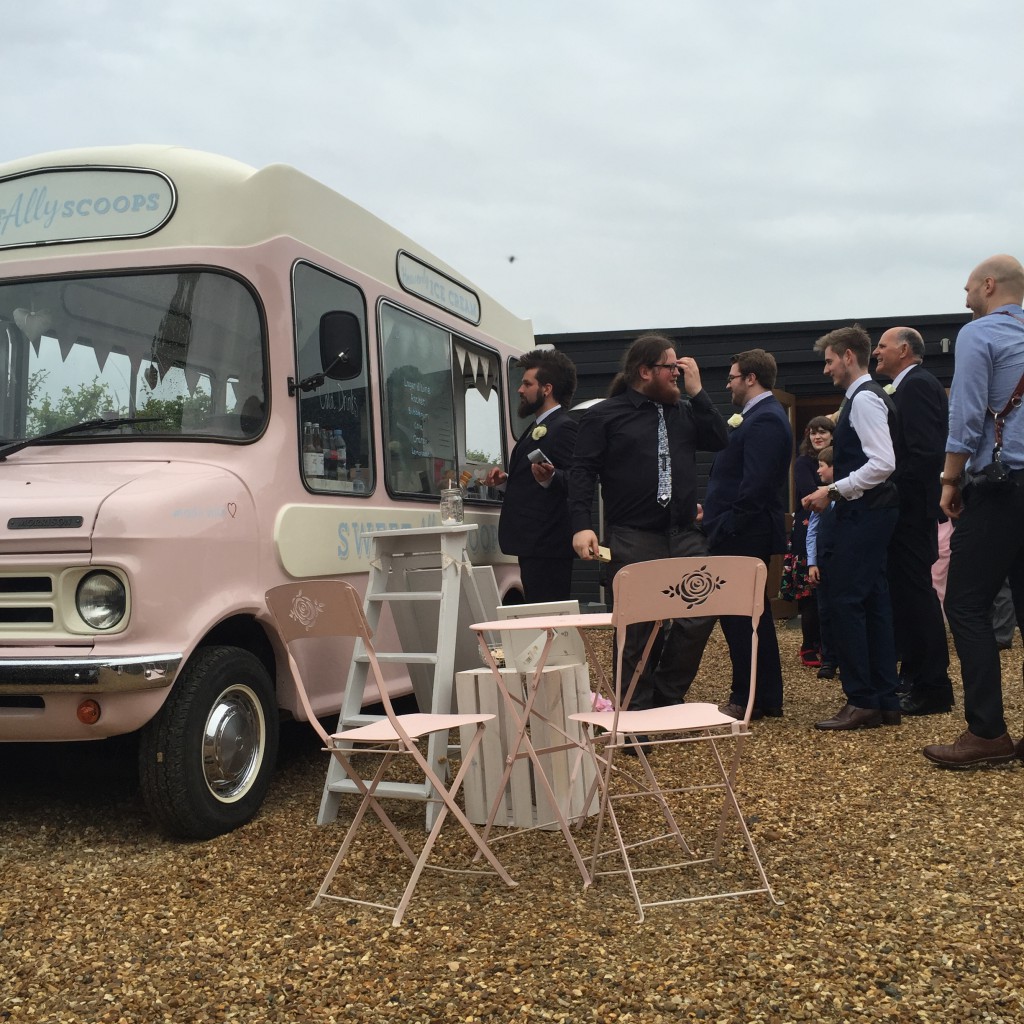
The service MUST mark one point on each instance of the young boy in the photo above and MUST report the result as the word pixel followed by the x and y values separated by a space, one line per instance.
pixel 820 532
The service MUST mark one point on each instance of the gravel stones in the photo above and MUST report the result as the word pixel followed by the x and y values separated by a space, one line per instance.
pixel 901 885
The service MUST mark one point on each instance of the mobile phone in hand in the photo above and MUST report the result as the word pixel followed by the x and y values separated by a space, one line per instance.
pixel 537 457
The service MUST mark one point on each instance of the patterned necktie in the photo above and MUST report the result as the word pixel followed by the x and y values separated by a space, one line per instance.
pixel 664 461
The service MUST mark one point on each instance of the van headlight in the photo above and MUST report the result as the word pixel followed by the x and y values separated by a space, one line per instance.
pixel 101 600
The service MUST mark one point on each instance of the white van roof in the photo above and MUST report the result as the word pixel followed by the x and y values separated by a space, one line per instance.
pixel 223 202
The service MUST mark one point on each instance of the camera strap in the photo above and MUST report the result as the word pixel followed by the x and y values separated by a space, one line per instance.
pixel 1013 402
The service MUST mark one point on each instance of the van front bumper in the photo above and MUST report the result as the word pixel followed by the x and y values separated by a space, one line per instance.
pixel 88 675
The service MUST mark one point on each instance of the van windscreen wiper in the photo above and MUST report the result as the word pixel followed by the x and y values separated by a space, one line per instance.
pixel 101 423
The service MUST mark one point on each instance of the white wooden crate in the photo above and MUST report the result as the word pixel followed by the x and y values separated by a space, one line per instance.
pixel 564 690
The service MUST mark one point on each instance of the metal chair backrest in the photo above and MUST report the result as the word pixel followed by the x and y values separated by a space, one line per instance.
pixel 322 609
pixel 679 588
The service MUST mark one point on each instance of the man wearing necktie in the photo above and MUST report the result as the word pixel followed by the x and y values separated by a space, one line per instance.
pixel 641 444
pixel 534 522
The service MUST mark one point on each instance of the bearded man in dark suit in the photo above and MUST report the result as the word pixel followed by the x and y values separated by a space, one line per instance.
pixel 744 515
pixel 922 426
pixel 534 523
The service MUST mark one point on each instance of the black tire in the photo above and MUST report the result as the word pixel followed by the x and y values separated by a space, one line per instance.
pixel 206 760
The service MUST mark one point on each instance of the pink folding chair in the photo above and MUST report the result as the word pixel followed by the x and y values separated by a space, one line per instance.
pixel 654 592
pixel 331 608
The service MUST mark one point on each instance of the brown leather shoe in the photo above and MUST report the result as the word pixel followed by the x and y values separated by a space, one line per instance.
pixel 850 717
pixel 969 750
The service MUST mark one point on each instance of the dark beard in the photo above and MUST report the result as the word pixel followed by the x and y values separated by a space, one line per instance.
pixel 527 409
pixel 665 391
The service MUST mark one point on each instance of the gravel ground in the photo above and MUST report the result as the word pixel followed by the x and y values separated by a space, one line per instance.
pixel 899 881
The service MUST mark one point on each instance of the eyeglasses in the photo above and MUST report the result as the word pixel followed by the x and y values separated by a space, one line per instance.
pixel 665 366
pixel 735 376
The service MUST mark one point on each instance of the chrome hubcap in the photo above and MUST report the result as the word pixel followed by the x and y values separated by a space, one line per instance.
pixel 233 743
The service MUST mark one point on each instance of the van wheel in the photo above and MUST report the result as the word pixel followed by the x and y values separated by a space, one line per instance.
pixel 206 760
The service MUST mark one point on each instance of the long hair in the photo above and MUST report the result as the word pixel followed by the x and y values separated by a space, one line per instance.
pixel 819 423
pixel 645 351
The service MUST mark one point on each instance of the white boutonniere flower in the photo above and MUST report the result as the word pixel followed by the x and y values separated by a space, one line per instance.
pixel 734 420
pixel 889 389
pixel 538 432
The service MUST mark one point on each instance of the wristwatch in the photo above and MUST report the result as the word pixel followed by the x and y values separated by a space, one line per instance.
pixel 833 492
pixel 949 481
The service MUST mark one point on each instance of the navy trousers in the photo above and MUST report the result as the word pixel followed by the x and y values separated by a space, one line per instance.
pixel 860 612
pixel 736 629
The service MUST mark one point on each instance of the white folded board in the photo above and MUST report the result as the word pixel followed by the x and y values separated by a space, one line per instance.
pixel 522 647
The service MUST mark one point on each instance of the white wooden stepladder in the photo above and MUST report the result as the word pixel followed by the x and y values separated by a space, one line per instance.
pixel 412 570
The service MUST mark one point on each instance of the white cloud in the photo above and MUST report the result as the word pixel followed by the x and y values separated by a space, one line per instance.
pixel 664 162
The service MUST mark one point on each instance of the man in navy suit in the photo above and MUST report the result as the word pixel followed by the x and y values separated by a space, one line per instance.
pixel 534 523
pixel 744 515
pixel 922 426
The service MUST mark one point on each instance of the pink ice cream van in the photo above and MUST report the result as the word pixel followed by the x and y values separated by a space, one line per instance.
pixel 214 380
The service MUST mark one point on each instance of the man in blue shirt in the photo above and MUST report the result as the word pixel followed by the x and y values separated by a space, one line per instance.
pixel 988 544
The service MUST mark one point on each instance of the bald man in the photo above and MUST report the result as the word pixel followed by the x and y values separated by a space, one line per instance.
pixel 920 442
pixel 987 503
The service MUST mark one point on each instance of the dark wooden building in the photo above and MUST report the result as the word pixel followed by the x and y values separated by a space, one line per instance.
pixel 801 384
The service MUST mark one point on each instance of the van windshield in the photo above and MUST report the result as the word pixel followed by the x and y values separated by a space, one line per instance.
pixel 182 351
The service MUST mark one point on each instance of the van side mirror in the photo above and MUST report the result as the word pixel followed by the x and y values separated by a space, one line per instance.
pixel 341 352
pixel 341 345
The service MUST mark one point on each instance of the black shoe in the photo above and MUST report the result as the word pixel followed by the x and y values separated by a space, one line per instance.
pixel 827 672
pixel 645 746
pixel 737 711
pixel 911 705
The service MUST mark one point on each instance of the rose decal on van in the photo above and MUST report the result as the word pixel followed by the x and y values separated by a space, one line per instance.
pixel 305 610
pixel 696 587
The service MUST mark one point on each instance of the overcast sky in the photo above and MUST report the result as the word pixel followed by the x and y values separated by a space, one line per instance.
pixel 648 163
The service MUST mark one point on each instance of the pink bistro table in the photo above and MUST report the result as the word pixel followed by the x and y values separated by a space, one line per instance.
pixel 520 709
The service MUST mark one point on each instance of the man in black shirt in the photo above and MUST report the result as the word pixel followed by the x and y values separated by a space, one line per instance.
pixel 641 443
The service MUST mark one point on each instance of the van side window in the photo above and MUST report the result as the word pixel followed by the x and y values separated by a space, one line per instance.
pixel 515 378
pixel 442 407
pixel 419 419
pixel 335 436
pixel 481 423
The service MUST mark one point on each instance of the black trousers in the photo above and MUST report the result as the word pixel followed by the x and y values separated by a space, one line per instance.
pixel 545 579
pixel 986 548
pixel 919 628
pixel 675 657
